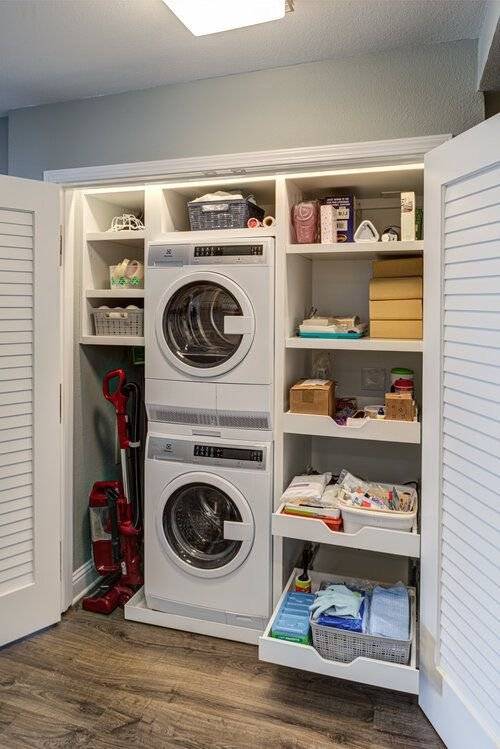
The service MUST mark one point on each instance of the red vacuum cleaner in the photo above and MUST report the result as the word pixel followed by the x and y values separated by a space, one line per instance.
pixel 116 506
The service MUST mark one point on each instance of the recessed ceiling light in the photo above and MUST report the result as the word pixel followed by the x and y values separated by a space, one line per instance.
pixel 212 16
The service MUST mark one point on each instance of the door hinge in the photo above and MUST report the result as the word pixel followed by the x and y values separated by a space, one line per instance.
pixel 60 245
pixel 60 402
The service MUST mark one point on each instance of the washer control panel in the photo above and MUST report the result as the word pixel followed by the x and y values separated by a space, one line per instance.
pixel 252 457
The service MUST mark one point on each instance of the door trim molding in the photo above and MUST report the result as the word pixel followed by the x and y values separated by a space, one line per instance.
pixel 382 152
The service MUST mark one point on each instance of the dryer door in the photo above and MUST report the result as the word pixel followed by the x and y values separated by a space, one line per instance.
pixel 205 524
pixel 205 324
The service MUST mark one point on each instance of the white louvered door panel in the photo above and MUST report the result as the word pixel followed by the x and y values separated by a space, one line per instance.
pixel 29 407
pixel 460 608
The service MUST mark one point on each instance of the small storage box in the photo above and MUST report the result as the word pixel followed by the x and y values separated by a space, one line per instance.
pixel 313 397
pixel 126 322
pixel 223 214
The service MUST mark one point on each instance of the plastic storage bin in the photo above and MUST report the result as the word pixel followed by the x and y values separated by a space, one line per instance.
pixel 344 646
pixel 223 214
pixel 356 518
pixel 126 322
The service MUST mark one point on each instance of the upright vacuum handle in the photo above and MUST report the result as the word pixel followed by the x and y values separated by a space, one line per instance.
pixel 119 400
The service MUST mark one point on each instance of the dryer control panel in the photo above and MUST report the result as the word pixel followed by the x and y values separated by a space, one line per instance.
pixel 251 457
pixel 227 252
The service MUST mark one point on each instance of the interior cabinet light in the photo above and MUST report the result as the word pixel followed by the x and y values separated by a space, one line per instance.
pixel 212 16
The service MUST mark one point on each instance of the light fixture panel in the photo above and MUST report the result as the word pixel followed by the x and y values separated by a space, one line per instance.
pixel 203 17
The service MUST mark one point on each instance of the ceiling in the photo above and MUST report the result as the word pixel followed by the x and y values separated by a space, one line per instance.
pixel 57 50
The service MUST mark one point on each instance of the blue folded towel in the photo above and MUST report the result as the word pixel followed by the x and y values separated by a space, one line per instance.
pixel 349 623
pixel 390 613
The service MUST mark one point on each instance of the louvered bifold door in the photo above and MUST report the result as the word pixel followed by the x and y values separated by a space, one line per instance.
pixel 29 408
pixel 460 627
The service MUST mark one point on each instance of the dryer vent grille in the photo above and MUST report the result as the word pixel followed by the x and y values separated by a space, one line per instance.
pixel 209 417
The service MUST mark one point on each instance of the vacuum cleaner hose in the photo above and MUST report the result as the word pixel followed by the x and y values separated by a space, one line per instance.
pixel 135 435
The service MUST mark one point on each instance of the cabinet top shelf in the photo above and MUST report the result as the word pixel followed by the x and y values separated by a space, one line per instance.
pixel 355 250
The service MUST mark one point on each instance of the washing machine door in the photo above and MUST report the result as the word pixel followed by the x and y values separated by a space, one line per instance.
pixel 205 324
pixel 205 525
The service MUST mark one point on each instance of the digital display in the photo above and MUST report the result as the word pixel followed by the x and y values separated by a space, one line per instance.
pixel 228 453
pixel 228 250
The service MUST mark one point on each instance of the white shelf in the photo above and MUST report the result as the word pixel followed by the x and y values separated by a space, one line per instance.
pixel 112 340
pixel 362 670
pixel 356 344
pixel 406 544
pixel 355 250
pixel 116 236
pixel 114 293
pixel 380 430
pixel 210 236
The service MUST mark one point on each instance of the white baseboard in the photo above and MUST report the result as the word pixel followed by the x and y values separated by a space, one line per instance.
pixel 84 578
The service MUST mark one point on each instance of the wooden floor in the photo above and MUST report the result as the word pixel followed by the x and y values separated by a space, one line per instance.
pixel 94 681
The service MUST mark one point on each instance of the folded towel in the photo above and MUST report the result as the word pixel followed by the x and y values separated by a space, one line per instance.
pixel 390 612
pixel 349 623
pixel 337 600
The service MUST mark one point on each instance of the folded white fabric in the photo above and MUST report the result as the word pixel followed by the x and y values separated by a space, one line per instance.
pixel 307 487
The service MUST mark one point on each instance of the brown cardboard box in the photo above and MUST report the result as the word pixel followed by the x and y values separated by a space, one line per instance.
pixel 396 328
pixel 396 288
pixel 400 407
pixel 398 267
pixel 396 309
pixel 313 397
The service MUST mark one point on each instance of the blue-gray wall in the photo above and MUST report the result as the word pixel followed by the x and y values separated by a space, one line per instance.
pixel 4 153
pixel 404 92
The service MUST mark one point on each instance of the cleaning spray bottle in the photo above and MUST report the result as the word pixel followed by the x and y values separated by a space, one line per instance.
pixel 303 581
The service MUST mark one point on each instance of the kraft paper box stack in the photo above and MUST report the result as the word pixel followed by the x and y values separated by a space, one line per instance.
pixel 396 298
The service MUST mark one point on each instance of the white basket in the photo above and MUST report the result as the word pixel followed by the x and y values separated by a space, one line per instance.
pixel 344 646
pixel 356 518
pixel 125 322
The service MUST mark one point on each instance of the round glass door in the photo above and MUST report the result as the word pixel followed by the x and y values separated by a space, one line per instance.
pixel 193 524
pixel 193 324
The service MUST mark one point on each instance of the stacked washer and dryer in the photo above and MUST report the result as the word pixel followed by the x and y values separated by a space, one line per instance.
pixel 209 311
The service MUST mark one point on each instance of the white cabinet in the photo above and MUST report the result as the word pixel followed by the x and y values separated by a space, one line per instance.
pixel 460 419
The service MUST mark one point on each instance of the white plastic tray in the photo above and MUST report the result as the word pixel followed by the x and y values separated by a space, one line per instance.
pixel 370 429
pixel 363 670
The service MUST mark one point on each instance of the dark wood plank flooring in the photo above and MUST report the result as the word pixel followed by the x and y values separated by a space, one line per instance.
pixel 93 682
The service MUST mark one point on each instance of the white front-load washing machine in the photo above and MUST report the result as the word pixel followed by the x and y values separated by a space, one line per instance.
pixel 209 329
pixel 207 537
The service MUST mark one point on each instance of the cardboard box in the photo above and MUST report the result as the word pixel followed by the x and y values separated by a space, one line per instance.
pixel 396 329
pixel 345 215
pixel 400 407
pixel 396 309
pixel 313 397
pixel 398 267
pixel 396 288
pixel 407 216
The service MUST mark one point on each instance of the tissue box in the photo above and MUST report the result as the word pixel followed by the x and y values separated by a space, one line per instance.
pixel 344 205
pixel 313 397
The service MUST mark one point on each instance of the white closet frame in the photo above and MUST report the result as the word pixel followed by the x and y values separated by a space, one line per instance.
pixel 214 168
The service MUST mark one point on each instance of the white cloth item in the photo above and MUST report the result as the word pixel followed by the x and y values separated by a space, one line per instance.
pixel 222 195
pixel 307 488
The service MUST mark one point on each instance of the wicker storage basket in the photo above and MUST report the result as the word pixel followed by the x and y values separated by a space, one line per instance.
pixel 223 214
pixel 129 322
pixel 344 646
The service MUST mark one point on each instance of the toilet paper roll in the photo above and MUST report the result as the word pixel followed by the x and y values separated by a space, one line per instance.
pixel 268 221
pixel 253 223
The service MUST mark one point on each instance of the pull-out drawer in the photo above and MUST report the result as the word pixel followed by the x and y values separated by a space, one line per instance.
pixel 363 670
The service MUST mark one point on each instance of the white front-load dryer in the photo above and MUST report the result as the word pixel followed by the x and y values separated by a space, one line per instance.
pixel 207 537
pixel 209 330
